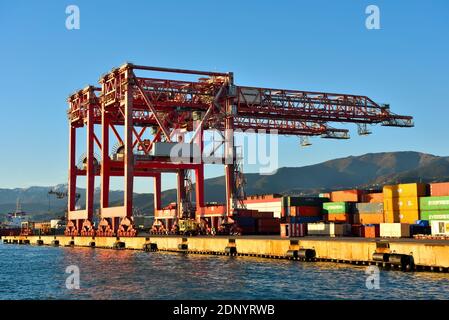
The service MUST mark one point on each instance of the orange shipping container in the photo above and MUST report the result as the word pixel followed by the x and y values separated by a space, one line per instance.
pixel 439 189
pixel 372 231
pixel 338 217
pixel 368 218
pixel 353 195
pixel 373 197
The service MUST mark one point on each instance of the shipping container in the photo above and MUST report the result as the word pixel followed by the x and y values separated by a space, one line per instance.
pixel 357 230
pixel 353 195
pixel 391 216
pixel 440 189
pixel 291 201
pixel 405 190
pixel 434 203
pixel 272 205
pixel 435 215
pixel 325 195
pixel 368 218
pixel 365 231
pixel 306 211
pixel 372 231
pixel 328 229
pixel 369 207
pixel 336 207
pixel 419 229
pixel 293 230
pixel 439 228
pixel 409 216
pixel 373 197
pixel 400 204
pixel 268 226
pixel 300 219
pixel 395 230
pixel 338 217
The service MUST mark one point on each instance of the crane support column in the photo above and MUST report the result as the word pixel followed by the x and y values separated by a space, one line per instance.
pixel 181 192
pixel 157 192
pixel 229 153
pixel 72 169
pixel 106 161
pixel 129 157
pixel 90 169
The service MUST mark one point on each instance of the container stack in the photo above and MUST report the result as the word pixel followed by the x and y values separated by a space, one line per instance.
pixel 435 209
pixel 338 212
pixel 302 209
pixel 401 202
pixel 369 213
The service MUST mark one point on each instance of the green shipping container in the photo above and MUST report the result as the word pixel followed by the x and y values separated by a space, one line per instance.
pixel 335 207
pixel 434 203
pixel 435 215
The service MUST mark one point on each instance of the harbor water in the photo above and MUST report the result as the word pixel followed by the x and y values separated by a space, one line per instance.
pixel 29 272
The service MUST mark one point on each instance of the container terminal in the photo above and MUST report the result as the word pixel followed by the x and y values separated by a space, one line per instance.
pixel 153 126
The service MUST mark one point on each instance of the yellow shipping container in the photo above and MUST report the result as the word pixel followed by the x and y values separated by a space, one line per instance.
pixel 401 204
pixel 405 190
pixel 409 216
pixel 391 216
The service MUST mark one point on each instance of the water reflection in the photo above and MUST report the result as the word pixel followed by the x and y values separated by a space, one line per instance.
pixel 39 273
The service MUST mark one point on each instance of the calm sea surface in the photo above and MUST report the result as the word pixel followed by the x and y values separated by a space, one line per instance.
pixel 28 272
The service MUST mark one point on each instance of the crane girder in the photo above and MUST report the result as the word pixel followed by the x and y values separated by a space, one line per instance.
pixel 168 102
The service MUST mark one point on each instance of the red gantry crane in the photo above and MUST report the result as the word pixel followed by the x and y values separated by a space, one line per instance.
pixel 148 118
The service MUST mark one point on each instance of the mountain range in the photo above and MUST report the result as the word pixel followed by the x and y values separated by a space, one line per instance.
pixel 369 171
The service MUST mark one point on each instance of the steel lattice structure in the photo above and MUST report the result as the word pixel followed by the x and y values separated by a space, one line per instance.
pixel 151 111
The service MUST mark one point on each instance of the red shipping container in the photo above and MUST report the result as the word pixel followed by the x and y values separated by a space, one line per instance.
pixel 308 211
pixel 358 230
pixel 352 195
pixel 439 189
pixel 268 226
pixel 263 214
pixel 305 211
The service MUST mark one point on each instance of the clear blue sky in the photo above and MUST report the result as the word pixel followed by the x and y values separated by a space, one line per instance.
pixel 306 45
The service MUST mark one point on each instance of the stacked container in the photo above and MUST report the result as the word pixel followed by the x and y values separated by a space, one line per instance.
pixel 374 197
pixel 435 208
pixel 369 213
pixel 401 202
pixel 337 212
pixel 395 230
pixel 352 195
pixel 302 209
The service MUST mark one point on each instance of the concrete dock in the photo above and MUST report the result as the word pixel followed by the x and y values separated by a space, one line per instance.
pixel 427 255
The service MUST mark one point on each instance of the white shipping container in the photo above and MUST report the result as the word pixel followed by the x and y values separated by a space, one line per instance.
pixel 328 229
pixel 395 230
pixel 271 206
pixel 439 228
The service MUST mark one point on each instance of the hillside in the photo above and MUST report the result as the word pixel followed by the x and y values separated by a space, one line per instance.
pixel 367 171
